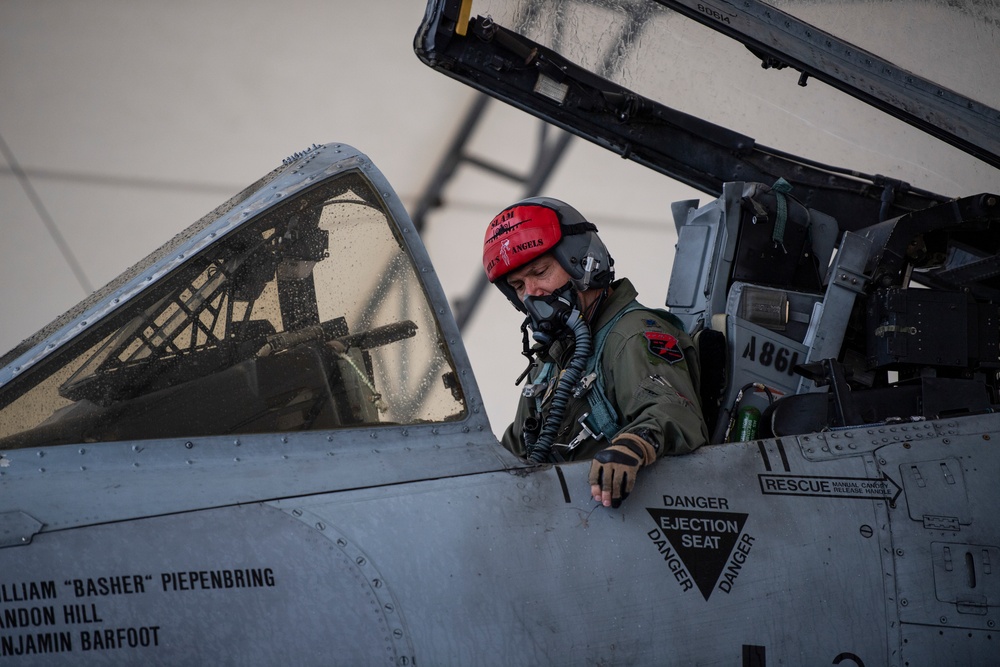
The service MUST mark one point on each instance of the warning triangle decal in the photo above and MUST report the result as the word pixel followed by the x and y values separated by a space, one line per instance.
pixel 702 540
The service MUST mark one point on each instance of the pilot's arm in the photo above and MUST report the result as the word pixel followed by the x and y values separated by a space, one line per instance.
pixel 650 375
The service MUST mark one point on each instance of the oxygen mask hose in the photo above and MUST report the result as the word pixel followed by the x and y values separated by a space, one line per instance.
pixel 542 451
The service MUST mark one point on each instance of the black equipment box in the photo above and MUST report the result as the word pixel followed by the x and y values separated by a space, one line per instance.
pixel 932 327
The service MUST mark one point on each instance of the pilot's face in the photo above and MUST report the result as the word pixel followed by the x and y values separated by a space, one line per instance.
pixel 539 277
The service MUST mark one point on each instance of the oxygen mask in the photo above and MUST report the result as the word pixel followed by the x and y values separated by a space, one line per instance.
pixel 551 316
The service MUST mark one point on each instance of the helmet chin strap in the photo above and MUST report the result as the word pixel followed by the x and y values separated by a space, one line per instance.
pixel 595 305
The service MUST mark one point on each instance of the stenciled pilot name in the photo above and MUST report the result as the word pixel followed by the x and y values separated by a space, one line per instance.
pixel 47 616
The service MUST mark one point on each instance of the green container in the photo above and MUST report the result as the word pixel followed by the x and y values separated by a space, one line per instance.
pixel 747 424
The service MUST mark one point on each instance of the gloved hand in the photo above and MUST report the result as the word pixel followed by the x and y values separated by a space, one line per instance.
pixel 613 471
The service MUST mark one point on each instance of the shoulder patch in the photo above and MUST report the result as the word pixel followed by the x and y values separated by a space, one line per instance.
pixel 664 346
pixel 652 323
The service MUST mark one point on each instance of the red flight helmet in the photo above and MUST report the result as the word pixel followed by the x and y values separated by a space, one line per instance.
pixel 532 227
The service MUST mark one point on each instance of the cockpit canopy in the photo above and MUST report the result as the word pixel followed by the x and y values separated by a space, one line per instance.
pixel 716 92
pixel 310 315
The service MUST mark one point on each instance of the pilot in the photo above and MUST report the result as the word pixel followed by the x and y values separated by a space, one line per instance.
pixel 608 378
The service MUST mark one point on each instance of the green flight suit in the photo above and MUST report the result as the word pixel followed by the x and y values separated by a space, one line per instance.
pixel 650 379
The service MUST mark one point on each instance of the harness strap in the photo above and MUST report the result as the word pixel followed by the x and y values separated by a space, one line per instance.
pixel 780 188
pixel 603 418
pixel 537 389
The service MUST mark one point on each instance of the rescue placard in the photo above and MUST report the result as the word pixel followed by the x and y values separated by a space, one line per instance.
pixel 830 487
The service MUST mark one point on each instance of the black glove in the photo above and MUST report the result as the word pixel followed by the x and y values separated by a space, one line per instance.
pixel 614 469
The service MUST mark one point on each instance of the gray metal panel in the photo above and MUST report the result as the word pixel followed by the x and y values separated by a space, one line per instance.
pixel 845 281
pixel 965 575
pixel 847 442
pixel 695 245
pixel 557 582
pixel 936 489
pixel 705 248
pixel 961 495
pixel 17 528
pixel 77 485
pixel 484 569
pixel 237 586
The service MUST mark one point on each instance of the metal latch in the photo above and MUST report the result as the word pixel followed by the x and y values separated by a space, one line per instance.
pixel 585 432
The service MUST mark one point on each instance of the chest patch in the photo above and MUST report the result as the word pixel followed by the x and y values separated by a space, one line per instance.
pixel 664 346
